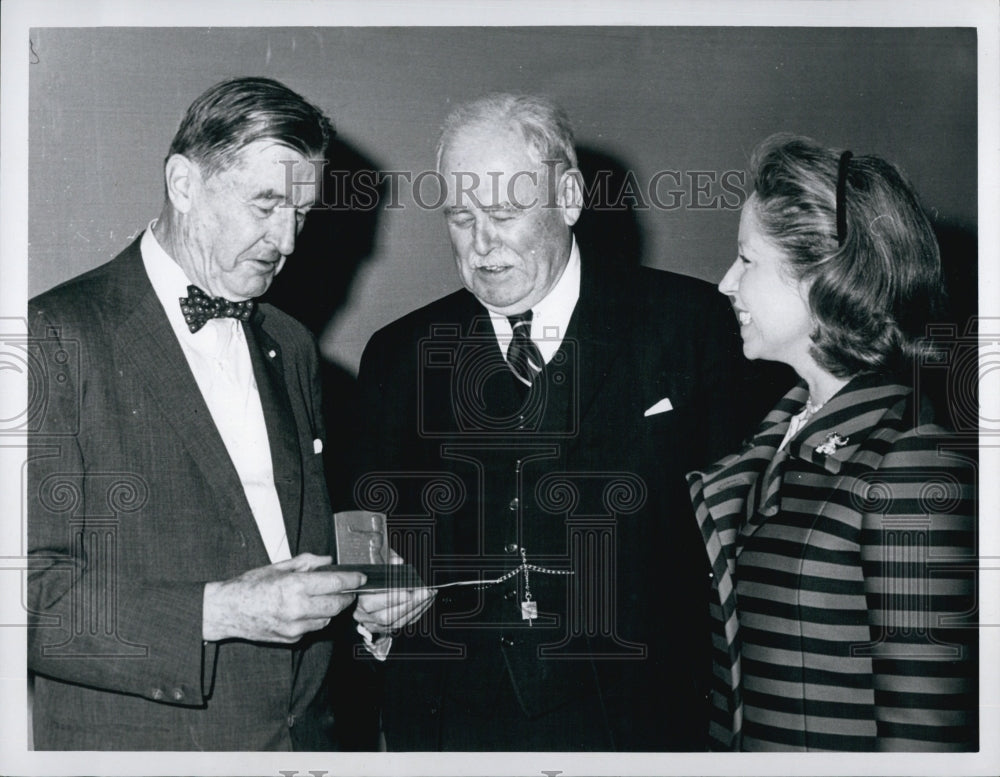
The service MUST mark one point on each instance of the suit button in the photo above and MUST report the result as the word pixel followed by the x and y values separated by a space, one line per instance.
pixel 178 694
pixel 506 642
pixel 514 503
pixel 510 595
pixel 157 694
pixel 511 547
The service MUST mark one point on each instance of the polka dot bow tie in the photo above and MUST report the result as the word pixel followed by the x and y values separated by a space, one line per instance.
pixel 198 308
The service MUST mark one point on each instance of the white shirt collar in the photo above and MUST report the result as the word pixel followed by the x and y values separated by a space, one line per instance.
pixel 220 363
pixel 550 316
pixel 170 283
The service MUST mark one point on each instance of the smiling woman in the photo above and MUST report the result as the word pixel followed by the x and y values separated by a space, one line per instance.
pixel 771 304
pixel 822 532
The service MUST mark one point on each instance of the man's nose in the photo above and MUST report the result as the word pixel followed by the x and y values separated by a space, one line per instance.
pixel 484 235
pixel 284 229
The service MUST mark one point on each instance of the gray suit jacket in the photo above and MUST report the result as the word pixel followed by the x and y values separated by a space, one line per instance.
pixel 134 504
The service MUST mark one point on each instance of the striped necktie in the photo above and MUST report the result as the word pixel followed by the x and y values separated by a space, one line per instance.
pixel 523 356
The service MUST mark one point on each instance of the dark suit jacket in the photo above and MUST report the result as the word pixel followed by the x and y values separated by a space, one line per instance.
pixel 470 470
pixel 134 505
pixel 844 587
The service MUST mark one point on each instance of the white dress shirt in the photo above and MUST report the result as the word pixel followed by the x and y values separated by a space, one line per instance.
pixel 550 316
pixel 219 357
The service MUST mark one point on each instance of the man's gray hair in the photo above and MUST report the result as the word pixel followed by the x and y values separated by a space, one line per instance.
pixel 234 113
pixel 545 126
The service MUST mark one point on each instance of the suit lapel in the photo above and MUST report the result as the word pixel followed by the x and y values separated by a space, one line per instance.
pixel 720 496
pixel 831 441
pixel 146 338
pixel 600 324
pixel 282 435
pixel 727 490
pixel 836 440
pixel 763 498
pixel 835 435
pixel 482 392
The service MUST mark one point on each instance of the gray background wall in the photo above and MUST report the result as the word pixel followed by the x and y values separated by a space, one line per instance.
pixel 104 103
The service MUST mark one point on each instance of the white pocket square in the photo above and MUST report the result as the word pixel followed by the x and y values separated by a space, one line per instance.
pixel 317 445
pixel 660 407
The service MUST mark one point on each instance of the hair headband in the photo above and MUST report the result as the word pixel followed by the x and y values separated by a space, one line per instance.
pixel 845 158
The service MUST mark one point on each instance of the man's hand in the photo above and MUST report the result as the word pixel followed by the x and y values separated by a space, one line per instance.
pixel 385 612
pixel 277 603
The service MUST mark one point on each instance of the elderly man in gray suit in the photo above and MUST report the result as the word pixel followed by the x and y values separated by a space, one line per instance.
pixel 177 507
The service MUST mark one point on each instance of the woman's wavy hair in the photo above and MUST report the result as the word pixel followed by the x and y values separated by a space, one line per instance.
pixel 871 294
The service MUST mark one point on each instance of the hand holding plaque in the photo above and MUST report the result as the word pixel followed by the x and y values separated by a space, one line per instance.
pixel 393 594
pixel 363 546
pixel 387 610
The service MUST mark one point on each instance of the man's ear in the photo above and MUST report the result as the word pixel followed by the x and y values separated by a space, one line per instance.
pixel 569 195
pixel 181 176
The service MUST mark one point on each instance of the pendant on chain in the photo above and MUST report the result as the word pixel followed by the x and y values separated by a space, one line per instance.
pixel 529 607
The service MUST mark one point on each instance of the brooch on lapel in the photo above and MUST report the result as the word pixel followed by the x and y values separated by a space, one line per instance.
pixel 832 443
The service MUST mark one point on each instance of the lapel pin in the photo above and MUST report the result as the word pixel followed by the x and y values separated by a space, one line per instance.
pixel 832 443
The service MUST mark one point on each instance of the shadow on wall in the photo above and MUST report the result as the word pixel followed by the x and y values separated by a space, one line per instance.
pixel 951 378
pixel 609 231
pixel 338 239
pixel 608 228
pixel 960 261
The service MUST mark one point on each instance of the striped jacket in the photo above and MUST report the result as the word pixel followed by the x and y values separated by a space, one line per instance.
pixel 843 573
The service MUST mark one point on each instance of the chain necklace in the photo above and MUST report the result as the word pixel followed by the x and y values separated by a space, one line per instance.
pixel 811 409
pixel 529 607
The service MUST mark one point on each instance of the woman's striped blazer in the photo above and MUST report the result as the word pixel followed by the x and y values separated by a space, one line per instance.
pixel 844 575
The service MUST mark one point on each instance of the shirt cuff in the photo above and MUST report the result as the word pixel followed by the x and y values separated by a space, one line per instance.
pixel 379 648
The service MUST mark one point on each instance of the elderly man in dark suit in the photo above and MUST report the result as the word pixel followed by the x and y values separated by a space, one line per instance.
pixel 535 427
pixel 177 502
